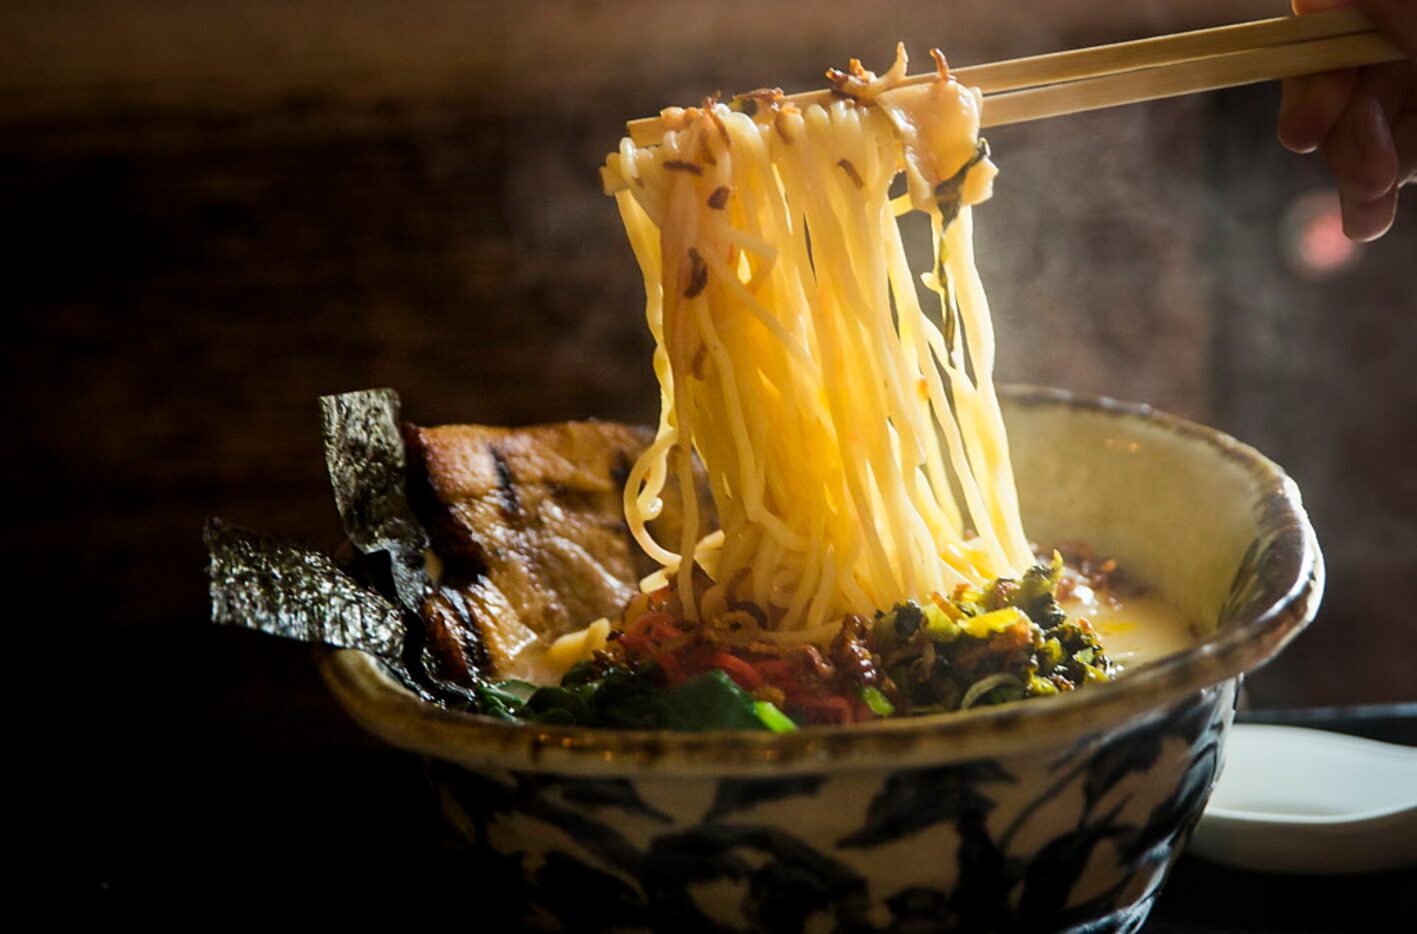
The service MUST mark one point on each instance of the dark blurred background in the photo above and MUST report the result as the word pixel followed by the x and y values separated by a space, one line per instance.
pixel 211 213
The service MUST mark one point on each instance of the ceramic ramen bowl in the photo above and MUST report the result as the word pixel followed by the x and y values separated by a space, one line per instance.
pixel 1050 814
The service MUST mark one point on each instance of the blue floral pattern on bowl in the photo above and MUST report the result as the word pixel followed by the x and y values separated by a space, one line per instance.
pixel 1083 839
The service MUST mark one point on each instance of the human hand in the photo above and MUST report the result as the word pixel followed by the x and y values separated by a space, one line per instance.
pixel 1362 120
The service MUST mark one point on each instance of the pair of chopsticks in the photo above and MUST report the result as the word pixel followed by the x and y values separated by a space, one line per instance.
pixel 1061 83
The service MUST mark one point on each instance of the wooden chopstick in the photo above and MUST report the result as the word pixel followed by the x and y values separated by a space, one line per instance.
pixel 1205 74
pixel 1156 51
pixel 1128 72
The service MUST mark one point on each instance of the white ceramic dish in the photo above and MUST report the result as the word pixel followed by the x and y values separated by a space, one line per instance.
pixel 1309 801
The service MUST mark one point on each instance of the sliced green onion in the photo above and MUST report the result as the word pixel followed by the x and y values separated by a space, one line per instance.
pixel 982 627
pixel 983 686
pixel 1094 675
pixel 938 624
pixel 1038 687
pixel 772 718
pixel 877 701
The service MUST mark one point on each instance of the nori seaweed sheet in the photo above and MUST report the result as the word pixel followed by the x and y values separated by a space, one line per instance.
pixel 368 466
pixel 278 587
pixel 367 460
pixel 274 586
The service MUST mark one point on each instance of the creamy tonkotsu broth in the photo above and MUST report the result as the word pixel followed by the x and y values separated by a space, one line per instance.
pixel 1135 629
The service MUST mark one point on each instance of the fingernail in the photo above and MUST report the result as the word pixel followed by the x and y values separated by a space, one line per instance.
pixel 1363 222
pixel 1291 131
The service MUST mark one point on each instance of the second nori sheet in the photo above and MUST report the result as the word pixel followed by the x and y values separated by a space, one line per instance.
pixel 367 462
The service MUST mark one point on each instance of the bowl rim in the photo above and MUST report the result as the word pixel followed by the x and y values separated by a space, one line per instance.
pixel 1291 584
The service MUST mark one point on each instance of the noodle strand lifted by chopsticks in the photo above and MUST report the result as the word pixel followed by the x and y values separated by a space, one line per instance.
pixel 854 447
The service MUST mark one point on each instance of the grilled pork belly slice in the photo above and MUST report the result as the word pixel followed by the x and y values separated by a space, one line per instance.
pixel 529 534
